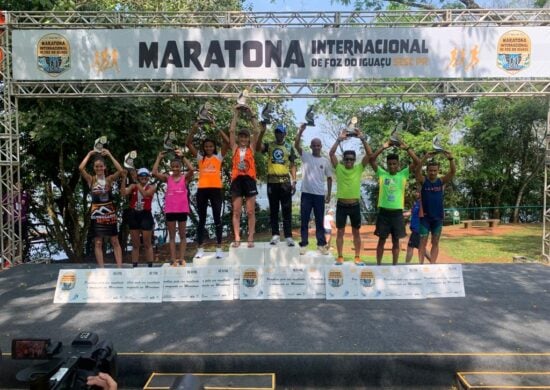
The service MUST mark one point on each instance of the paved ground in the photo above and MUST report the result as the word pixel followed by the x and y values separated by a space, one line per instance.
pixel 503 321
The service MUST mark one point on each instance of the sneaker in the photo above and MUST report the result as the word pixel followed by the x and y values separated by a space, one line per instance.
pixel 290 241
pixel 322 249
pixel 200 253
pixel 219 253
pixel 339 260
pixel 303 250
pixel 358 261
pixel 275 240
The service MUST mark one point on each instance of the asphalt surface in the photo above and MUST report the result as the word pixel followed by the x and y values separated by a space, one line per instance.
pixel 502 323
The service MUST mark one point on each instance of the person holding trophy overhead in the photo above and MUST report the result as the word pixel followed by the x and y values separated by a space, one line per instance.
pixel 210 187
pixel 176 206
pixel 243 172
pixel 431 201
pixel 392 183
pixel 140 221
pixel 348 191
pixel 103 212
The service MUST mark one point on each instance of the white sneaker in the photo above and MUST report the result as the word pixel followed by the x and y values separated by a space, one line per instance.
pixel 219 253
pixel 323 250
pixel 200 253
pixel 303 250
pixel 290 241
pixel 275 240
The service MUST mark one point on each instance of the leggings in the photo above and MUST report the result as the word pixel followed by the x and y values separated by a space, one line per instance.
pixel 215 195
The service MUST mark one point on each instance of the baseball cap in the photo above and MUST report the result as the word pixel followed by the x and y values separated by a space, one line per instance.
pixel 244 131
pixel 280 128
pixel 143 172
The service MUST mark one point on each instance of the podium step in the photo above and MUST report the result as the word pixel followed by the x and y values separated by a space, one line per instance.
pixel 159 381
pixel 493 380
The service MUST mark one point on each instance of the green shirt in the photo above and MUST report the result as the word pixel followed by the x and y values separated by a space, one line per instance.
pixel 349 181
pixel 391 194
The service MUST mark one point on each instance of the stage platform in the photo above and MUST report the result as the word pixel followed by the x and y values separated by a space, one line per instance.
pixel 503 324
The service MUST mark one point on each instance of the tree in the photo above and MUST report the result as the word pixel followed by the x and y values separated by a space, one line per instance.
pixel 508 137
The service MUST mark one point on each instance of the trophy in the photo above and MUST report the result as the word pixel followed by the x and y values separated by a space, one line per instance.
pixel 436 144
pixel 205 114
pixel 169 144
pixel 99 143
pixel 351 130
pixel 241 101
pixel 129 160
pixel 310 116
pixel 395 139
pixel 267 114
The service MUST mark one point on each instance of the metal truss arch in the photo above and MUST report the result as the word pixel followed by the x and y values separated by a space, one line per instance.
pixel 10 243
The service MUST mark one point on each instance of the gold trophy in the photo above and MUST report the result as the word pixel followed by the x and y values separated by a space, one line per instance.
pixel 351 129
pixel 395 138
pixel 129 160
pixel 436 144
pixel 310 116
pixel 99 143
pixel 267 114
pixel 241 101
pixel 205 114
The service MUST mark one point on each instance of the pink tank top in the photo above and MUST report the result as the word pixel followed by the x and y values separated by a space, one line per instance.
pixel 175 200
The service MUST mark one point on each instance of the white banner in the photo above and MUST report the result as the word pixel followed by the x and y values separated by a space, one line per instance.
pixel 212 283
pixel 281 53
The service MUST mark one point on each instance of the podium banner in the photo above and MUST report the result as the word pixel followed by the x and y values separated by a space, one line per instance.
pixel 227 282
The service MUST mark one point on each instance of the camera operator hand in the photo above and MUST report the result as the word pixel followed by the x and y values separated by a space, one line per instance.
pixel 103 381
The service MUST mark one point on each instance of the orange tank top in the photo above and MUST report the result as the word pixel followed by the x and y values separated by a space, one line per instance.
pixel 210 171
pixel 243 163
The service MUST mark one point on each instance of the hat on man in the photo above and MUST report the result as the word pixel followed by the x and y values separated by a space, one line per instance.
pixel 280 128
pixel 143 172
pixel 244 131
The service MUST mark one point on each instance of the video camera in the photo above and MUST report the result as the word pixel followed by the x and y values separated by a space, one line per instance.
pixel 64 370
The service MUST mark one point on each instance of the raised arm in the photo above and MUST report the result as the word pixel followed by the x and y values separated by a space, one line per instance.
pixel 298 139
pixel 258 146
pixel 415 160
pixel 82 167
pixel 225 143
pixel 116 164
pixel 373 158
pixel 418 169
pixel 449 176
pixel 189 140
pixel 190 169
pixel 233 129
pixel 155 172
pixel 125 189
pixel 366 146
pixel 332 152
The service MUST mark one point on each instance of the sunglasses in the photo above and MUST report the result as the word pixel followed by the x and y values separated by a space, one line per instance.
pixel 349 159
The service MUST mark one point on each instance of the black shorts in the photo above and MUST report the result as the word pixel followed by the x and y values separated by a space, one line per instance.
pixel 176 217
pixel 140 220
pixel 343 210
pixel 390 222
pixel 414 240
pixel 243 186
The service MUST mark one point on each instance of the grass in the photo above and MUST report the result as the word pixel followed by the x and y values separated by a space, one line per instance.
pixel 524 240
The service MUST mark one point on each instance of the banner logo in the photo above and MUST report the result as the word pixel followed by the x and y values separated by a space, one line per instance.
pixel 250 278
pixel 68 281
pixel 53 54
pixel 335 278
pixel 367 278
pixel 514 51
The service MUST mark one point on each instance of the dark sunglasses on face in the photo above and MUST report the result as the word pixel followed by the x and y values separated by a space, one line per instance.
pixel 349 159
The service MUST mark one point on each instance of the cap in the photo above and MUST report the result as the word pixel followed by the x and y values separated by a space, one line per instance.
pixel 244 131
pixel 143 172
pixel 280 128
